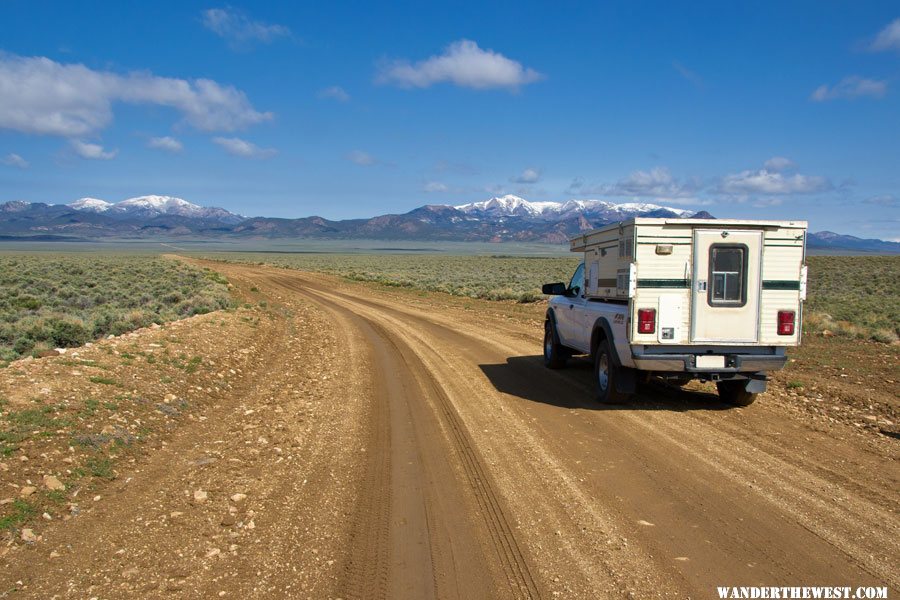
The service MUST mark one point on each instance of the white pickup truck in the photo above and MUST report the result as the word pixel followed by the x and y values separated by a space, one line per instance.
pixel 681 299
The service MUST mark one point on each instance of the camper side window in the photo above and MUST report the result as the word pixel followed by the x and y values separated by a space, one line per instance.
pixel 727 275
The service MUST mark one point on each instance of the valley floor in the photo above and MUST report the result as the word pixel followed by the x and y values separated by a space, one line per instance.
pixel 337 439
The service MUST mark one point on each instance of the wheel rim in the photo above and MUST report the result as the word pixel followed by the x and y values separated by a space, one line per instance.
pixel 602 372
pixel 548 342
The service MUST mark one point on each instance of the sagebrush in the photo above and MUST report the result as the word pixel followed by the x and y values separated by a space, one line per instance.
pixel 50 301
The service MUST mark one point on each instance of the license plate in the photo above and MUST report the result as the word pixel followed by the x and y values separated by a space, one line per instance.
pixel 710 362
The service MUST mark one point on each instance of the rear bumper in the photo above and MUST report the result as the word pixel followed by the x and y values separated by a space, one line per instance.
pixel 735 362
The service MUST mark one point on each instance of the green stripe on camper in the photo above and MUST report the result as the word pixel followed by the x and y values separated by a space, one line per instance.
pixel 664 283
pixel 780 285
pixel 665 243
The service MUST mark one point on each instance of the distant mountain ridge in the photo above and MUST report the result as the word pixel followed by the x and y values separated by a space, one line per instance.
pixel 500 219
pixel 148 207
pixel 514 206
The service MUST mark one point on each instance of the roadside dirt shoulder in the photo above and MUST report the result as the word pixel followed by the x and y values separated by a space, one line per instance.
pixel 210 457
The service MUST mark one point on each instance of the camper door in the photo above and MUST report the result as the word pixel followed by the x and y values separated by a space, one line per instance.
pixel 726 286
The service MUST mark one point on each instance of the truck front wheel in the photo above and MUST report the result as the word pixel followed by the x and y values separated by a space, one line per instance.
pixel 555 354
pixel 734 392
pixel 606 374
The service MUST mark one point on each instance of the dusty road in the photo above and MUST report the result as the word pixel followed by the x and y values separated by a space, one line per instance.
pixel 381 445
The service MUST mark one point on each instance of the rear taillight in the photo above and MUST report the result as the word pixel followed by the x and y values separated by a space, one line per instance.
pixel 785 322
pixel 646 320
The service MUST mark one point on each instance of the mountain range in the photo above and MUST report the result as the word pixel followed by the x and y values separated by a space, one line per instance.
pixel 501 219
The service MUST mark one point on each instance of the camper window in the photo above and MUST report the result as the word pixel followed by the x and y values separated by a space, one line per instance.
pixel 727 275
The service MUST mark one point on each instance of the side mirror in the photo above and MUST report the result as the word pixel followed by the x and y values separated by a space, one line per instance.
pixel 553 289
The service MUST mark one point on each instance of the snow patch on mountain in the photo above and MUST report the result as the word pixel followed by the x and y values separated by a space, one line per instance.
pixel 91 204
pixel 155 206
pixel 514 206
pixel 164 204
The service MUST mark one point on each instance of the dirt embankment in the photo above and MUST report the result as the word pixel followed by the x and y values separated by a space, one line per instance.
pixel 342 440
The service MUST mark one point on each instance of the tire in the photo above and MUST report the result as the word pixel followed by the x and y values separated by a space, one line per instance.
pixel 733 393
pixel 555 354
pixel 605 375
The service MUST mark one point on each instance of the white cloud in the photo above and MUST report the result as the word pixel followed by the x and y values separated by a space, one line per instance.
pixel 464 64
pixel 334 92
pixel 779 163
pixel 768 202
pixel 527 176
pixel 435 187
pixel 883 200
pixel 362 158
pixel 850 88
pixel 243 148
pixel 657 182
pixel 14 160
pixel 239 29
pixel 41 96
pixel 769 182
pixel 888 38
pixel 92 151
pixel 166 143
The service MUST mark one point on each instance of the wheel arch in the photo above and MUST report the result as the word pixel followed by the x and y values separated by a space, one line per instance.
pixel 602 330
pixel 550 315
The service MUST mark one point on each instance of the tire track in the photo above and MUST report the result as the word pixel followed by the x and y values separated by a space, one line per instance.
pixel 510 557
pixel 775 481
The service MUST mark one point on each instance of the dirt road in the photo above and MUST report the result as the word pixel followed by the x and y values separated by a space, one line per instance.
pixel 378 444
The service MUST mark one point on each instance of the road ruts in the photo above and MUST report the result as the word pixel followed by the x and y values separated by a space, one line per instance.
pixel 429 523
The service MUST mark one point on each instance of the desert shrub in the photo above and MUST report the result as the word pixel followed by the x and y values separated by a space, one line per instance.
pixel 68 333
pixel 885 336
pixel 54 300
pixel 22 346
pixel 859 294
pixel 502 278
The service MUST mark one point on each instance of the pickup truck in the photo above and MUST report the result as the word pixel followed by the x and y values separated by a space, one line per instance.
pixel 681 299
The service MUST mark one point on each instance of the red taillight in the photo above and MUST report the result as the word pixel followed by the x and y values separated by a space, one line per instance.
pixel 646 320
pixel 785 322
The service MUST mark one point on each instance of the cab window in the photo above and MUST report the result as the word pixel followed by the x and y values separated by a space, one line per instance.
pixel 577 280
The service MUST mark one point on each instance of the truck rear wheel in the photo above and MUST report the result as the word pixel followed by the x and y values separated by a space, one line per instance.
pixel 606 374
pixel 555 354
pixel 734 392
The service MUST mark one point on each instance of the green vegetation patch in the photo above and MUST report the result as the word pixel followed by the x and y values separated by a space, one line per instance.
pixel 855 296
pixel 61 301
pixel 21 512
pixel 489 277
pixel 17 426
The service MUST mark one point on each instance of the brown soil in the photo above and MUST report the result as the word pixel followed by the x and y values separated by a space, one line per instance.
pixel 344 440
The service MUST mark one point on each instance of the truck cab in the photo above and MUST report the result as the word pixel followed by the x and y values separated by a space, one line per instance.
pixel 681 299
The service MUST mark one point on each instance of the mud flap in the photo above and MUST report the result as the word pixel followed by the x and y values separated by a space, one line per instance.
pixel 756 384
pixel 626 381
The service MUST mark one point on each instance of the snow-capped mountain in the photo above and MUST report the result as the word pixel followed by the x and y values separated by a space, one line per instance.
pixel 514 206
pixel 503 219
pixel 166 205
pixel 506 206
pixel 91 204
pixel 148 207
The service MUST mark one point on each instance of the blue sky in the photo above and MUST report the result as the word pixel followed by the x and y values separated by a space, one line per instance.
pixel 766 110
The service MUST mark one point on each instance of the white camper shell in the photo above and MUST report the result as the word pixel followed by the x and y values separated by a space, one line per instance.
pixel 712 299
